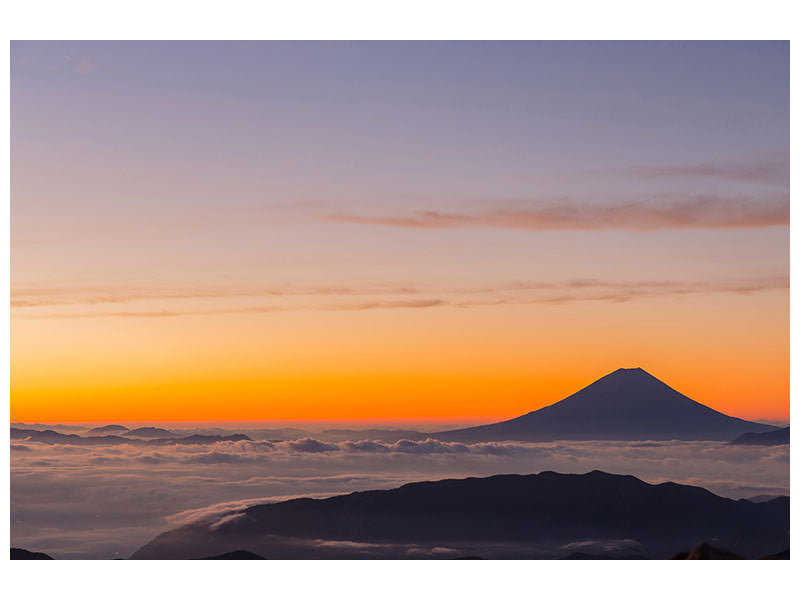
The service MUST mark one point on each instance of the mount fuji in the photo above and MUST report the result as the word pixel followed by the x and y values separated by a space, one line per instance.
pixel 628 404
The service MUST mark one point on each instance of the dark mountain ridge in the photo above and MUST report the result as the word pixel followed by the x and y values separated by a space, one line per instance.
pixel 628 404
pixel 108 429
pixel 235 555
pixel 53 437
pixel 508 516
pixel 150 432
pixel 22 554
pixel 768 438
pixel 48 436
pixel 382 435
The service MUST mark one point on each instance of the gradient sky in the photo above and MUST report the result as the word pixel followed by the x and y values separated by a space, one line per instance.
pixel 381 230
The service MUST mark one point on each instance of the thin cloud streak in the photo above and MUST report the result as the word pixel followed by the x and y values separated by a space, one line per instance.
pixel 30 297
pixel 35 297
pixel 576 290
pixel 688 212
pixel 735 286
pixel 390 304
pixel 774 169
pixel 164 313
pixel 242 310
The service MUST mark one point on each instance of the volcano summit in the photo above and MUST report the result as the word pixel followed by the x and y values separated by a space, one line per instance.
pixel 628 404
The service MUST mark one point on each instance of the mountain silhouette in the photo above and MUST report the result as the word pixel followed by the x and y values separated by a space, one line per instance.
pixel 763 497
pixel 203 439
pixel 22 554
pixel 42 426
pixel 704 551
pixel 235 555
pixel 504 516
pixel 108 429
pixel 605 556
pixel 628 404
pixel 150 432
pixel 382 435
pixel 768 438
pixel 49 436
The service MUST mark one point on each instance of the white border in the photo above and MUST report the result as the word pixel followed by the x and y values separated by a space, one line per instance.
pixel 411 19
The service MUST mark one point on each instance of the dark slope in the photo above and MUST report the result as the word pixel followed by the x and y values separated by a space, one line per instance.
pixel 782 555
pixel 48 436
pixel 768 438
pixel 150 432
pixel 605 556
pixel 628 404
pixel 382 435
pixel 704 551
pixel 22 554
pixel 53 437
pixel 510 516
pixel 764 498
pixel 108 429
pixel 41 426
pixel 202 439
pixel 235 555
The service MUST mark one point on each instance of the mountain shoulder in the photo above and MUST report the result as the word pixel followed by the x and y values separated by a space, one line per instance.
pixel 22 554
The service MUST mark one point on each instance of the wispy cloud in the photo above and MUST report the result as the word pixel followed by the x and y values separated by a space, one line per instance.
pixel 33 296
pixel 739 286
pixel 685 212
pixel 512 293
pixel 583 290
pixel 162 313
pixel 240 310
pixel 390 304
pixel 770 168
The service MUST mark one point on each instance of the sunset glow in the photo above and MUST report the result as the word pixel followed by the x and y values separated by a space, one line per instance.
pixel 359 231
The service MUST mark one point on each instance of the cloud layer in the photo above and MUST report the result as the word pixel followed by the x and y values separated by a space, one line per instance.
pixel 683 212
pixel 771 168
pixel 380 297
pixel 75 501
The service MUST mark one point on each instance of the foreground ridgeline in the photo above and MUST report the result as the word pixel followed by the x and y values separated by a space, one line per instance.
pixel 628 404
pixel 549 515
pixel 22 554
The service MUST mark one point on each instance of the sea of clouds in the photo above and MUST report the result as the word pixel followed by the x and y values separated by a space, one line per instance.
pixel 75 501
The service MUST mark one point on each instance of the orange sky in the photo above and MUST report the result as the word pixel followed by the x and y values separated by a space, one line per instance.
pixel 403 363
pixel 395 230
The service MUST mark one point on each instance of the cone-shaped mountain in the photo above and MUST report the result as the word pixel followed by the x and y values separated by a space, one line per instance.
pixel 628 404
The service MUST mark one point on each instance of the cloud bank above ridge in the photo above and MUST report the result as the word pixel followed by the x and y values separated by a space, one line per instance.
pixel 76 501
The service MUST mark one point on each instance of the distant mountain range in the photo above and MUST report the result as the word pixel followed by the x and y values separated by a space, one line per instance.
pixel 49 436
pixel 41 426
pixel 150 432
pixel 768 438
pixel 383 435
pixel 628 404
pixel 549 515
pixel 108 429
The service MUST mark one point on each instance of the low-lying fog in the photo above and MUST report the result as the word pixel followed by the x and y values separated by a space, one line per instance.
pixel 74 501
